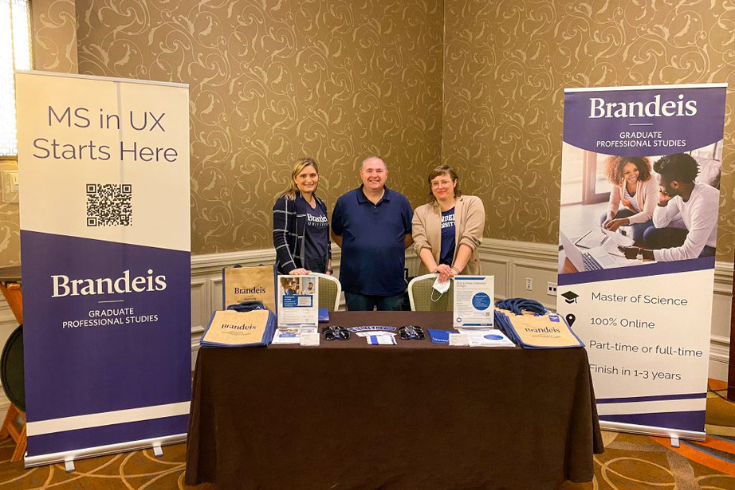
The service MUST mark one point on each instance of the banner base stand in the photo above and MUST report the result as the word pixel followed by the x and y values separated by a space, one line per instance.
pixel 673 434
pixel 69 465
pixel 157 451
pixel 69 457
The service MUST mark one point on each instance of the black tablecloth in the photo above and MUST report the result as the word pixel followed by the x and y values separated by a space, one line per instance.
pixel 416 416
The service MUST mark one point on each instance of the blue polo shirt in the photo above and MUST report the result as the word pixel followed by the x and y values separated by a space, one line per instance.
pixel 373 247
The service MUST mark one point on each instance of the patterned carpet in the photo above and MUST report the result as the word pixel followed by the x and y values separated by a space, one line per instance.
pixel 630 462
pixel 633 462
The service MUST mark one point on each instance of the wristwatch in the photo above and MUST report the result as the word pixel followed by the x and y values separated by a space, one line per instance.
pixel 330 271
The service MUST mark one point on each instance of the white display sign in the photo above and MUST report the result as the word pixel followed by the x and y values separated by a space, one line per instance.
pixel 106 251
pixel 647 351
pixel 473 301
pixel 644 162
pixel 298 301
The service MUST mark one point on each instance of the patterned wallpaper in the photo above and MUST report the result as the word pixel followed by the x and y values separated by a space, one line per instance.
pixel 54 47
pixel 9 225
pixel 54 35
pixel 274 81
pixel 508 61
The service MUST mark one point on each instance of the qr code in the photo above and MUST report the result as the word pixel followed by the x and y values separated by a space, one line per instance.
pixel 109 204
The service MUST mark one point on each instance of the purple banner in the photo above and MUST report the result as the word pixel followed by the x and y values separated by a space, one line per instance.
pixel 106 263
pixel 108 330
pixel 645 121
pixel 640 194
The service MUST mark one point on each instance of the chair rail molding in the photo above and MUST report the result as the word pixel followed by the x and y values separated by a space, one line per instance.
pixel 510 262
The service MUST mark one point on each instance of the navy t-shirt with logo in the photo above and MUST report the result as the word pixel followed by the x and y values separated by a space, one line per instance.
pixel 448 237
pixel 316 238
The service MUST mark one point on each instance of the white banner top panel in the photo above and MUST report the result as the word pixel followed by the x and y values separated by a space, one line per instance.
pixel 131 135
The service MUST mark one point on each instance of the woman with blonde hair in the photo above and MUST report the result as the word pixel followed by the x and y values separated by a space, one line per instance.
pixel 300 225
pixel 448 230
pixel 634 194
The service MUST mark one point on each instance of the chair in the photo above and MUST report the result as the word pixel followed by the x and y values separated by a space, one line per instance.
pixel 13 380
pixel 419 294
pixel 329 291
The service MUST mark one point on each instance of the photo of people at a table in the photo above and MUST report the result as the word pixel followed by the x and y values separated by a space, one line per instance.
pixel 622 211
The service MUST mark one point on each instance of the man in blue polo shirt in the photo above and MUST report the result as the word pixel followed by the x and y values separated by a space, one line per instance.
pixel 372 224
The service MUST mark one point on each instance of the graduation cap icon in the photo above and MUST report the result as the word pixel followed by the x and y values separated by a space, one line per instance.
pixel 570 297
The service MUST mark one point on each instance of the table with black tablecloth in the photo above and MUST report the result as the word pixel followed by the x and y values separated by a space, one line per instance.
pixel 414 416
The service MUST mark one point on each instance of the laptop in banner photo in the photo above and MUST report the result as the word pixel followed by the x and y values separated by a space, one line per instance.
pixel 593 259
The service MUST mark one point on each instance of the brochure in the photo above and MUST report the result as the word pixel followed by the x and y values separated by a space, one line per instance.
pixel 291 335
pixel 298 301
pixel 323 315
pixel 379 338
pixel 476 337
pixel 487 338
pixel 473 301
pixel 438 336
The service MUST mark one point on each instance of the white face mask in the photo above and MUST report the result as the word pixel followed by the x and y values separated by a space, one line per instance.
pixel 440 287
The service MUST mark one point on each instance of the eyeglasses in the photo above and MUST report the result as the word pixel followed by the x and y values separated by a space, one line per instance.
pixel 335 332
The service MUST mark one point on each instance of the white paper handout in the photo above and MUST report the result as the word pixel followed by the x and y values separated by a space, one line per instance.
pixel 473 301
pixel 491 337
pixel 298 301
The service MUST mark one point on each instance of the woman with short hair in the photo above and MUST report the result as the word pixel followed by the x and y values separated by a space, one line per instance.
pixel 448 230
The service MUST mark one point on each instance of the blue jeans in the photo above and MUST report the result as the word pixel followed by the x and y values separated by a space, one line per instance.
pixel 658 238
pixel 361 302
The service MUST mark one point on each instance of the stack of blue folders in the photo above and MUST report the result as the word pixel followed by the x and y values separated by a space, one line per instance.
pixel 323 315
pixel 239 329
pixel 537 331
pixel 438 336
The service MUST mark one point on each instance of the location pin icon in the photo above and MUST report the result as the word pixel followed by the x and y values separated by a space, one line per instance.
pixel 570 319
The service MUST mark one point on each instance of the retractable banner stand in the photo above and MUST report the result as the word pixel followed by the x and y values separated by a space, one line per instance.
pixel 645 162
pixel 105 250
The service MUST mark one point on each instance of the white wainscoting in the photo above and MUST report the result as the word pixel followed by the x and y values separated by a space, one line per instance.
pixel 510 262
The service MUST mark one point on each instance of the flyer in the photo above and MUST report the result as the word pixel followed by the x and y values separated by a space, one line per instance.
pixel 298 301
pixel 473 301
pixel 291 335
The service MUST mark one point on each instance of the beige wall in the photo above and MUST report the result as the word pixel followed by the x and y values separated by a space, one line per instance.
pixel 9 225
pixel 337 81
pixel 54 46
pixel 274 81
pixel 54 40
pixel 507 63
